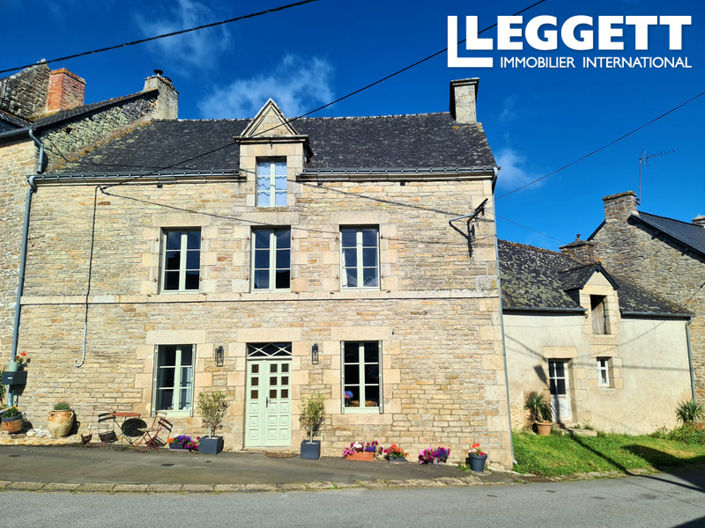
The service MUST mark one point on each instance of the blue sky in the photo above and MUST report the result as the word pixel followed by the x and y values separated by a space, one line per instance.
pixel 536 120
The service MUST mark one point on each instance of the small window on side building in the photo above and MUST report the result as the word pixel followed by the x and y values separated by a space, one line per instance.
pixel 181 259
pixel 603 372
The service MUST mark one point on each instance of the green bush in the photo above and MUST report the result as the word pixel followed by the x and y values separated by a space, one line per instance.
pixel 539 408
pixel 62 406
pixel 11 412
pixel 688 434
pixel 313 413
pixel 690 411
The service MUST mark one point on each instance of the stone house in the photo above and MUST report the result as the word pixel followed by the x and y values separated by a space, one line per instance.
pixel 43 123
pixel 272 259
pixel 608 353
pixel 662 255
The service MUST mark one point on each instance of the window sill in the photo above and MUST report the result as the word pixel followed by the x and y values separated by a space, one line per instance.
pixel 175 414
pixel 361 410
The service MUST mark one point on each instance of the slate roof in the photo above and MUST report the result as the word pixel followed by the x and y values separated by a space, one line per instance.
pixel 420 141
pixel 535 278
pixel 85 109
pixel 13 120
pixel 689 234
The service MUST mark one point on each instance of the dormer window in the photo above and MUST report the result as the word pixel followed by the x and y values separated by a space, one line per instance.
pixel 271 182
pixel 599 315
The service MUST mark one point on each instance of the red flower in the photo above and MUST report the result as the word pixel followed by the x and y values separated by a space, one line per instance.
pixel 23 354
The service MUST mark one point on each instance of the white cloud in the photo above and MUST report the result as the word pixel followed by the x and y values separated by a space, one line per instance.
pixel 513 171
pixel 508 109
pixel 197 48
pixel 296 85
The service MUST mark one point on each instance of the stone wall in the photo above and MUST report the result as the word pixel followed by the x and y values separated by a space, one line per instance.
pixel 436 313
pixel 16 161
pixel 657 263
pixel 24 94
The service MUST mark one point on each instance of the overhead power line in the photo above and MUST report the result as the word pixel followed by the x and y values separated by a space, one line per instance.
pixel 165 35
pixel 603 147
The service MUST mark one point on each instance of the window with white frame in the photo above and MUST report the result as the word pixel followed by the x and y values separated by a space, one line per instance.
pixel 362 381
pixel 359 260
pixel 173 378
pixel 271 258
pixel 181 257
pixel 271 183
pixel 603 372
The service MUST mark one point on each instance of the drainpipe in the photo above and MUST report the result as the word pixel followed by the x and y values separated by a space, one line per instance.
pixel 23 256
pixel 504 347
pixel 690 357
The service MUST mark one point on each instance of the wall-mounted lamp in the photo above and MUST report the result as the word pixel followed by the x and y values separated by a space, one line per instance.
pixel 314 354
pixel 219 357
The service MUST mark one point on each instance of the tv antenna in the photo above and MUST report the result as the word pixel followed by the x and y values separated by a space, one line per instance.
pixel 644 161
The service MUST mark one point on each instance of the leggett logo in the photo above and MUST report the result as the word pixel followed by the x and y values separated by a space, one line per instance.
pixel 576 33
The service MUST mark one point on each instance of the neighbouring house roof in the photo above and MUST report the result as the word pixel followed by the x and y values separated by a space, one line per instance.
pixel 420 142
pixel 689 234
pixel 13 120
pixel 86 109
pixel 539 279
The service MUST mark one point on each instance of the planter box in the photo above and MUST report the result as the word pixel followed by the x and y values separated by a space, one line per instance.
pixel 401 460
pixel 210 445
pixel 311 450
pixel 476 463
pixel 175 446
pixel 18 377
pixel 365 456
pixel 13 425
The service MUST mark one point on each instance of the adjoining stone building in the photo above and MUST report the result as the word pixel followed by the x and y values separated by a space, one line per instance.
pixel 272 259
pixel 662 255
pixel 44 123
pixel 607 353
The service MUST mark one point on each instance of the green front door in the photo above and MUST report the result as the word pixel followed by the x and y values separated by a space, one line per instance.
pixel 268 403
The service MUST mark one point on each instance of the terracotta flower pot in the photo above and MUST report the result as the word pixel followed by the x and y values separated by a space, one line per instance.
pixel 544 428
pixel 367 456
pixel 13 425
pixel 60 423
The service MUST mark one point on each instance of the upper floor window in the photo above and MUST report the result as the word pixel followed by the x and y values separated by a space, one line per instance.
pixel 181 259
pixel 271 258
pixel 271 183
pixel 599 314
pixel 359 257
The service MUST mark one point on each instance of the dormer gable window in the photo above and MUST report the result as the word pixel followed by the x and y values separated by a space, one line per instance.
pixel 271 182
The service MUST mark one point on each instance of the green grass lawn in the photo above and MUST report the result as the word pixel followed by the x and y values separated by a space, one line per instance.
pixel 564 455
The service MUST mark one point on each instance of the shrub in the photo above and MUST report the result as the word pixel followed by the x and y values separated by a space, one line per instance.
pixel 690 411
pixel 11 412
pixel 62 406
pixel 212 407
pixel 313 413
pixel 539 408
pixel 688 434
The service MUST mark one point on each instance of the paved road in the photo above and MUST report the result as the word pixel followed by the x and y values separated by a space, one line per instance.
pixel 660 500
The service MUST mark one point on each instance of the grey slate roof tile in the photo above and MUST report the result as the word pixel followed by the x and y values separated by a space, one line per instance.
pixel 689 234
pixel 539 278
pixel 408 141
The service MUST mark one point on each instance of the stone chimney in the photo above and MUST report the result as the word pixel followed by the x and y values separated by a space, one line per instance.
pixel 66 90
pixel 463 100
pixel 620 206
pixel 168 98
pixel 699 220
pixel 580 250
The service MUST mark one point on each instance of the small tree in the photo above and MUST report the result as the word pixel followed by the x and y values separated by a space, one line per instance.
pixel 212 407
pixel 690 411
pixel 313 413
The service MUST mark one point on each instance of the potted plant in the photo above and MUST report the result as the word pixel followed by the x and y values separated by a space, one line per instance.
pixel 312 414
pixel 358 451
pixel 12 420
pixel 395 454
pixel 60 420
pixel 434 456
pixel 184 443
pixel 541 413
pixel 212 407
pixel 477 458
